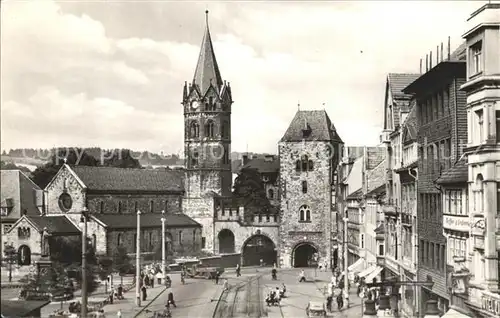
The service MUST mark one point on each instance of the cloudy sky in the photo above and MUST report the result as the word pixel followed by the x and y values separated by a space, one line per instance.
pixel 110 73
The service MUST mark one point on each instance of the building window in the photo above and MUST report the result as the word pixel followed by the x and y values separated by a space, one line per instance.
pixel 362 239
pixel 136 207
pixel 224 129
pixel 6 228
pixel 203 242
pixel 497 115
pixel 135 243
pixel 304 186
pixel 180 237
pixel 23 232
pixel 226 155
pixel 119 206
pixel 194 130
pixel 480 132
pixel 166 206
pixel 475 55
pixel 381 249
pixel 94 241
pixel 209 129
pixel 101 207
pixel 150 242
pixel 304 164
pixel 194 158
pixel 478 194
pixel 151 206
pixel 194 238
pixel 119 239
pixel 65 202
pixel 270 194
pixel 305 214
pixel 210 106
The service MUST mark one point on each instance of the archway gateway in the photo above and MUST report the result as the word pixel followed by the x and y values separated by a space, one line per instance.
pixel 259 247
pixel 226 241
pixel 303 254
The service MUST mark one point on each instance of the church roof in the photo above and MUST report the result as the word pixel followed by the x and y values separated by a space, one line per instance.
pixel 129 221
pixel 128 179
pixel 207 70
pixel 58 224
pixel 311 125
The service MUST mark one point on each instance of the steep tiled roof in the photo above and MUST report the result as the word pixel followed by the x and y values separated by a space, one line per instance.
pixel 311 125
pixel 355 195
pixel 21 308
pixel 375 155
pixel 457 174
pixel 410 124
pixel 54 224
pixel 121 179
pixel 264 165
pixel 377 191
pixel 207 71
pixel 376 177
pixel 129 221
pixel 354 152
pixel 398 81
pixel 21 191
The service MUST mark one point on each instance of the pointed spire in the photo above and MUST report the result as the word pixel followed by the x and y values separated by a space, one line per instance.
pixel 207 71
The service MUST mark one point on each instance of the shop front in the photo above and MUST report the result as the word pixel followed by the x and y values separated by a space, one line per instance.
pixel 408 295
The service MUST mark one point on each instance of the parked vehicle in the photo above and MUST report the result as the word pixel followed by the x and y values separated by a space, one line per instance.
pixel 316 309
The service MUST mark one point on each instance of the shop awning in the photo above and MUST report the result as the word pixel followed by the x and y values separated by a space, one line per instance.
pixel 367 271
pixel 356 266
pixel 373 274
pixel 452 313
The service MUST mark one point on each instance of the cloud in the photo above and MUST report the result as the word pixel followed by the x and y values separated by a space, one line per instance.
pixel 111 74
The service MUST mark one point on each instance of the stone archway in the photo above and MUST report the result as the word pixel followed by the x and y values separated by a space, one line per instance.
pixel 303 253
pixel 226 241
pixel 24 255
pixel 258 247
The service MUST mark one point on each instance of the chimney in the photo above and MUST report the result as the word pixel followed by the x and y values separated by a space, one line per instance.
pixel 437 55
pixel 245 159
pixel 426 62
pixel 430 60
pixel 442 52
pixel 420 66
pixel 449 45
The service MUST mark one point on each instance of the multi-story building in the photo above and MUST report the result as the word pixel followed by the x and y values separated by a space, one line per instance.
pixel 442 129
pixel 309 154
pixel 481 287
pixel 269 168
pixel 19 196
pixel 112 197
pixel 407 214
pixel 397 107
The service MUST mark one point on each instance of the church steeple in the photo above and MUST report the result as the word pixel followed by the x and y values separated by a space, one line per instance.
pixel 207 71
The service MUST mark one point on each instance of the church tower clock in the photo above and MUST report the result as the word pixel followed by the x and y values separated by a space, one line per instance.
pixel 207 139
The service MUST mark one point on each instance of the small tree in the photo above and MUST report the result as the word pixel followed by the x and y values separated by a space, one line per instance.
pixel 10 258
pixel 121 262
pixel 52 280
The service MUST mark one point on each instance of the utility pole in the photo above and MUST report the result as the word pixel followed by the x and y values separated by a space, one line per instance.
pixel 163 252
pixel 346 263
pixel 138 261
pixel 83 219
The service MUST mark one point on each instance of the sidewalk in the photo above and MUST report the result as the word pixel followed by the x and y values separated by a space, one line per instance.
pixel 128 306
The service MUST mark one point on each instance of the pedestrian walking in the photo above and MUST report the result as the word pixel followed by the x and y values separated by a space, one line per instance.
pixel 119 313
pixel 144 292
pixel 217 275
pixel 238 270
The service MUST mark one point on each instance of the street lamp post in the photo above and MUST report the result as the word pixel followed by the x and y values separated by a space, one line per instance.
pixel 138 261
pixel 346 263
pixel 83 220
pixel 163 252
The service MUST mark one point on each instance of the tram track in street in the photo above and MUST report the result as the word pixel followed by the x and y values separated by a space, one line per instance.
pixel 242 300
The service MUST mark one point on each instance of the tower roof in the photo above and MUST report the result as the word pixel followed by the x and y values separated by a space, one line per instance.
pixel 311 125
pixel 207 71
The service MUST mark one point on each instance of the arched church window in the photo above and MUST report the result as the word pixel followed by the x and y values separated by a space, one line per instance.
pixel 310 165
pixel 211 104
pixel 194 130
pixel 270 194
pixel 119 239
pixel 305 163
pixel 305 213
pixel 224 129
pixel 209 129
pixel 194 158
pixel 298 165
pixel 304 186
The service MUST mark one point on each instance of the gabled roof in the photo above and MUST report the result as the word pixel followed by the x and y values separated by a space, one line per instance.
pixel 458 174
pixel 18 188
pixel 377 191
pixel 356 194
pixel 129 221
pixel 207 71
pixel 21 308
pixel 311 125
pixel 396 82
pixel 410 125
pixel 127 179
pixel 264 165
pixel 57 224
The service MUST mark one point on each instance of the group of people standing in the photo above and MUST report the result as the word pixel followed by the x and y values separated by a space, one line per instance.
pixel 335 290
